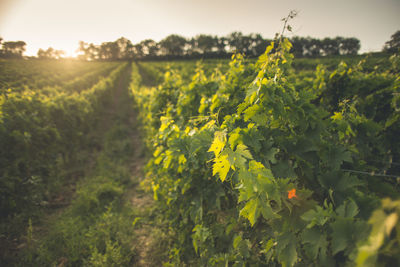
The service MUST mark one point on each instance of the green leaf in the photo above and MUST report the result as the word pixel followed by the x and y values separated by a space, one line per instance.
pixel 236 241
pixel 221 166
pixel 317 216
pixel 337 155
pixel 251 211
pixel 288 255
pixel 348 209
pixel 255 113
pixel 260 119
pixel 268 246
pixel 382 226
pixel 308 216
pixel 283 169
pixel 251 91
pixel 267 211
pixel 286 249
pixel 342 231
pixel 246 187
pixel 238 158
pixel 218 143
pixel 234 139
pixel 314 242
pixel 243 150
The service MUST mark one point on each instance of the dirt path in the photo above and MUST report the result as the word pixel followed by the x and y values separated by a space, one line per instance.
pixel 141 201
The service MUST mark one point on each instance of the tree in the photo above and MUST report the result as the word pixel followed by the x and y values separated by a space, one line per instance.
pixel 330 47
pixel 349 46
pixel 138 50
pixel 14 49
pixel 258 44
pixel 109 51
pixel 236 42
pixel 312 47
pixel 298 46
pixel 125 47
pixel 173 45
pixel 393 45
pixel 89 51
pixel 221 44
pixel 50 53
pixel 204 44
pixel 149 47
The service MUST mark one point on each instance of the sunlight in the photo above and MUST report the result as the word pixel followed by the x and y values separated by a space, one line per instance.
pixel 69 51
pixel 58 50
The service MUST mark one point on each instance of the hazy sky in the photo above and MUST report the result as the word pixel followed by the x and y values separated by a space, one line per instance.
pixel 62 23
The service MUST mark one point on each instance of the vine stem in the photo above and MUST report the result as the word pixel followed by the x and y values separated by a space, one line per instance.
pixel 292 14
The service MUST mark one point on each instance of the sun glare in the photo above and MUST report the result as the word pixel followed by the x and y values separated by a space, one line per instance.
pixel 68 50
pixel 57 50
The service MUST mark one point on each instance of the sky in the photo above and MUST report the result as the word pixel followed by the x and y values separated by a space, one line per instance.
pixel 61 24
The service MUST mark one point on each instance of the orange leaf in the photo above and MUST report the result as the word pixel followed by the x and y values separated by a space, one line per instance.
pixel 292 193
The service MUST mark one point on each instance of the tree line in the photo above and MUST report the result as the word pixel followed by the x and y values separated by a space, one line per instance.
pixel 201 46
pixel 208 46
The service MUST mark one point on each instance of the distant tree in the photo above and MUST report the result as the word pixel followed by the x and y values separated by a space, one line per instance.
pixel 88 51
pixel 149 47
pixel 250 45
pixel 109 51
pixel 138 51
pixel 13 49
pixel 41 53
pixel 330 47
pixel 257 44
pixel 298 45
pixel 349 46
pixel 312 47
pixel 246 45
pixel 205 43
pixel 236 42
pixel 93 51
pixel 221 45
pixel 173 45
pixel 125 47
pixel 50 53
pixel 393 45
pixel 191 48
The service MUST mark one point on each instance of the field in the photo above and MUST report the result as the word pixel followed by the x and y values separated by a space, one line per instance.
pixel 272 161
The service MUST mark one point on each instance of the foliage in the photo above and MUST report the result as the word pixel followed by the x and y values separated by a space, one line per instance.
pixel 393 45
pixel 43 133
pixel 96 228
pixel 383 242
pixel 207 46
pixel 12 49
pixel 255 166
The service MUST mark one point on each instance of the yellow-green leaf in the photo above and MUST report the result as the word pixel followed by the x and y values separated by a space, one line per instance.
pixel 221 166
pixel 218 144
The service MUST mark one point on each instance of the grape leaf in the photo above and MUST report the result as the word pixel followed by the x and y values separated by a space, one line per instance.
pixel 221 166
pixel 286 249
pixel 251 211
pixel 218 143
pixel 315 243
